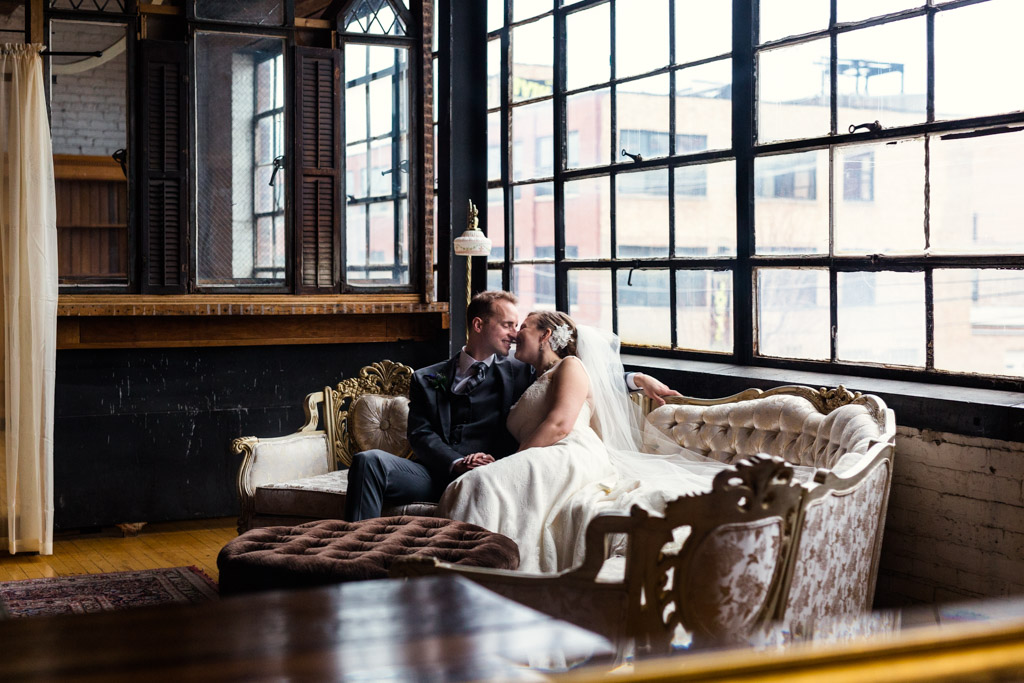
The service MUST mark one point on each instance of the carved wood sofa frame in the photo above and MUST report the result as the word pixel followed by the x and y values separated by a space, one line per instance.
pixel 321 446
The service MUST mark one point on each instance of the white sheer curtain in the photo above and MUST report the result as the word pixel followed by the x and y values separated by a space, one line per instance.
pixel 28 255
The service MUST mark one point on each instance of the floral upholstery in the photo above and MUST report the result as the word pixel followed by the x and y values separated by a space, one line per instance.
pixel 734 570
pixel 787 426
pixel 834 564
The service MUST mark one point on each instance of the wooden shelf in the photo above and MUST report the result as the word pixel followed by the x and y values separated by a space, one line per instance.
pixel 83 167
pixel 79 305
pixel 91 321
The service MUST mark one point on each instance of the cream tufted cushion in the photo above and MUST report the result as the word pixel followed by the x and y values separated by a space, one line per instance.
pixel 787 426
pixel 380 422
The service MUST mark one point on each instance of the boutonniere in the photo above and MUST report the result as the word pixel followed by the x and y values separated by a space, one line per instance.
pixel 438 381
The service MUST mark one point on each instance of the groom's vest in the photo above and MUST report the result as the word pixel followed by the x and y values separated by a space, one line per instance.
pixel 478 420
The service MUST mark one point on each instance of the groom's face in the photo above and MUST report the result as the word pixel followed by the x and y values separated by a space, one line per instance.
pixel 497 333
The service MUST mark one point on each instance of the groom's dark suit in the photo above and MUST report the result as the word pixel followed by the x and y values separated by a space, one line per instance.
pixel 443 427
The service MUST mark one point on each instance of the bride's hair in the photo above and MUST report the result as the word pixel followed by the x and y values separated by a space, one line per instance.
pixel 550 320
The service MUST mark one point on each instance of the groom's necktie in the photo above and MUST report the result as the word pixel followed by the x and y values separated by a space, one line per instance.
pixel 476 375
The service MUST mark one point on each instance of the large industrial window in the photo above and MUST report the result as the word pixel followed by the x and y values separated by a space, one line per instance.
pixel 812 185
pixel 270 150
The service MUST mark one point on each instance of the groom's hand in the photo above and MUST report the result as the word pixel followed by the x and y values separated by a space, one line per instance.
pixel 652 388
pixel 472 461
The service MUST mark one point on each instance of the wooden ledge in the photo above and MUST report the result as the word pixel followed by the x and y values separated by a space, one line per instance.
pixel 90 321
pixel 130 305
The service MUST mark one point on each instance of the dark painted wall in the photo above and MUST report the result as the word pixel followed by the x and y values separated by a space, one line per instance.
pixel 142 435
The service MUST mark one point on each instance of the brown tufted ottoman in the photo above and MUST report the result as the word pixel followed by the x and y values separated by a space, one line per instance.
pixel 333 551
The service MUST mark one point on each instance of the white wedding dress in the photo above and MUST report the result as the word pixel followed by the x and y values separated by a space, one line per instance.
pixel 543 498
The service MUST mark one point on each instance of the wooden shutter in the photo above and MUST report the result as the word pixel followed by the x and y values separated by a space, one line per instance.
pixel 317 169
pixel 163 164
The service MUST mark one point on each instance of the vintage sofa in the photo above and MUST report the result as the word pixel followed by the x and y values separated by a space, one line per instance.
pixel 303 477
pixel 760 547
pixel 777 548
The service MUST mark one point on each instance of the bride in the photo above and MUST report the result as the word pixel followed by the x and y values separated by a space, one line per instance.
pixel 580 450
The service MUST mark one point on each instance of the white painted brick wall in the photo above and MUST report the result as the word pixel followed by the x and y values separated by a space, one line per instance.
pixel 955 527
pixel 89 109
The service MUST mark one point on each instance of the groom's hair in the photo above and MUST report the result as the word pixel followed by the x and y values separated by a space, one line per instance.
pixel 482 305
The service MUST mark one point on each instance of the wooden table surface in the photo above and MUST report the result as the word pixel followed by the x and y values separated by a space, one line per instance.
pixel 435 628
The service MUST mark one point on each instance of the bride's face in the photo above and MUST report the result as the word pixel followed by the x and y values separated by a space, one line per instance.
pixel 528 340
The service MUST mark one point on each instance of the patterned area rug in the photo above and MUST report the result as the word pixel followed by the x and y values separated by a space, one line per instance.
pixel 85 593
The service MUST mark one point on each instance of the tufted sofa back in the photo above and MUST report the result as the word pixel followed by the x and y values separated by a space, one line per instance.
pixel 787 425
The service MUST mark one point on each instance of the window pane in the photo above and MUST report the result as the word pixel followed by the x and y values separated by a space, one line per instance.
pixel 704 107
pixel 532 60
pixel 377 244
pixel 230 170
pixel 356 243
pixel 882 73
pixel 588 46
pixel 377 154
pixel 524 9
pixel 641 212
pixel 979 321
pixel 588 218
pixel 590 298
pixel 88 122
pixel 374 17
pixel 878 192
pixel 531 126
pixel 781 18
pixel 704 310
pixel 855 10
pixel 644 308
pixel 266 12
pixel 534 221
pixel 881 318
pixel 494 146
pixel 792 313
pixel 588 118
pixel 496 223
pixel 494 279
pixel 641 37
pixel 534 284
pixel 493 73
pixel 976 199
pixel 643 118
pixel 705 199
pixel 976 59
pixel 790 212
pixel 495 14
pixel 709 36
pixel 793 92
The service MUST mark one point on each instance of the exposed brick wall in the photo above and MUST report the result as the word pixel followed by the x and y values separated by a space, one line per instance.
pixel 89 109
pixel 955 526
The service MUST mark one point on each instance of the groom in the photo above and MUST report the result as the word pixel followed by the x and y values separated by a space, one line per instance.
pixel 457 411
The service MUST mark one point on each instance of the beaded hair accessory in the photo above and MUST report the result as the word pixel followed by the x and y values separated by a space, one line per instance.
pixel 559 337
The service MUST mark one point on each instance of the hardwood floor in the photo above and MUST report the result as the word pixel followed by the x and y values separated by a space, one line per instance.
pixel 166 544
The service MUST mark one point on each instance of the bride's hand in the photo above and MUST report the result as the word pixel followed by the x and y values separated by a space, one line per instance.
pixel 653 388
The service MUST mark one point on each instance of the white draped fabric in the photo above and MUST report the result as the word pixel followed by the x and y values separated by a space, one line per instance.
pixel 28 255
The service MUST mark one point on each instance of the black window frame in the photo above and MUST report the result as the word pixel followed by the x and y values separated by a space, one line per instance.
pixel 744 151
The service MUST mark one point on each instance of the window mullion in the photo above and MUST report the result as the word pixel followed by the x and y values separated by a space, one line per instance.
pixel 743 135
pixel 558 151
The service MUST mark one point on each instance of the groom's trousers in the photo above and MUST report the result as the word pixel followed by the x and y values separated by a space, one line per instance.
pixel 377 477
